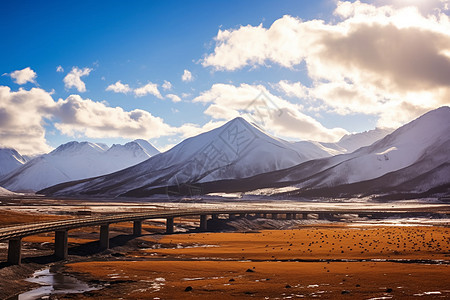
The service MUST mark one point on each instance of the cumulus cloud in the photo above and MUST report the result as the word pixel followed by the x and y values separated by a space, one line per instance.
pixel 24 115
pixel 173 97
pixel 119 87
pixel 73 79
pixel 187 76
pixel 370 60
pixel 22 119
pixel 59 69
pixel 258 105
pixel 76 115
pixel 188 130
pixel 23 76
pixel 149 88
pixel 167 86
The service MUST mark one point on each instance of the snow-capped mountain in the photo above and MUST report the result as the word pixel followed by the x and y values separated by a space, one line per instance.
pixel 235 150
pixel 10 160
pixel 240 157
pixel 75 160
pixel 414 159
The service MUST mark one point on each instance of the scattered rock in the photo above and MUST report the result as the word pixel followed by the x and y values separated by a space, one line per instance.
pixel 188 289
pixel 388 290
pixel 287 286
pixel 344 292
pixel 250 270
pixel 358 285
pixel 231 280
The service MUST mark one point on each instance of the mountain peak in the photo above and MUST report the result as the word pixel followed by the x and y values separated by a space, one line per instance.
pixel 76 147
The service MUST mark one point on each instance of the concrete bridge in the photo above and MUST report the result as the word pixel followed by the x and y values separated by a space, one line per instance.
pixel 14 234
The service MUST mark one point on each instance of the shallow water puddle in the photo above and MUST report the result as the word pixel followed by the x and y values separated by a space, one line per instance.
pixel 53 283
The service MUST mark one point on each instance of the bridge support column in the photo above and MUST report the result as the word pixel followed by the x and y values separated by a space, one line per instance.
pixel 274 216
pixel 231 216
pixel 169 225
pixel 61 245
pixel 241 215
pixel 288 216
pixel 104 236
pixel 294 216
pixel 264 216
pixel 305 216
pixel 215 216
pixel 137 228
pixel 203 222
pixel 15 251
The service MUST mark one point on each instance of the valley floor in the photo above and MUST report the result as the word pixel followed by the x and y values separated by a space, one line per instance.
pixel 315 259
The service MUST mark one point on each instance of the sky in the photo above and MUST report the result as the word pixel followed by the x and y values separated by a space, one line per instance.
pixel 114 71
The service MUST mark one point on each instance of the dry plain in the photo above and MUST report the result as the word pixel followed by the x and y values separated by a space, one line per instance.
pixel 328 260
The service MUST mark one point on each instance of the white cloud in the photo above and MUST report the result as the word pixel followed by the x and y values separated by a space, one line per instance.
pixel 23 76
pixel 76 116
pixel 167 86
pixel 173 97
pixel 73 79
pixel 188 130
pixel 149 88
pixel 22 119
pixel 24 114
pixel 59 69
pixel 119 87
pixel 257 104
pixel 187 76
pixel 370 60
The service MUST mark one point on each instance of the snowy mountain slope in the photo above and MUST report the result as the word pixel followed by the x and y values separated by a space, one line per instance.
pixel 428 175
pixel 72 161
pixel 235 150
pixel 4 192
pixel 413 158
pixel 10 160
pixel 352 142
pixel 405 146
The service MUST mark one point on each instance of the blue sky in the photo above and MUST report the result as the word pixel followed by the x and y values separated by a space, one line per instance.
pixel 138 43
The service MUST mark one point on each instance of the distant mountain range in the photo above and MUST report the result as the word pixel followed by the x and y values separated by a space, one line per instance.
pixel 233 152
pixel 412 161
pixel 73 161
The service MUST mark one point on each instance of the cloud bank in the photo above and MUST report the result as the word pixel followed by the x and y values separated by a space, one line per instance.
pixel 371 60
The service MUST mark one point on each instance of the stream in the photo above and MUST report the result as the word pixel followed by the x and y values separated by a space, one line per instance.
pixel 53 283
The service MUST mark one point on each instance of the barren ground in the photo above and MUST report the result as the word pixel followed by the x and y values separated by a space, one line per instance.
pixel 329 261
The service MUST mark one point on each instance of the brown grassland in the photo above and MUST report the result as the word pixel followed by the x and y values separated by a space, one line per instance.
pixel 327 261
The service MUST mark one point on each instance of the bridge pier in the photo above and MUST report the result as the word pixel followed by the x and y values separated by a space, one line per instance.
pixel 61 245
pixel 294 216
pixel 203 222
pixel 104 236
pixel 15 251
pixel 169 225
pixel 215 216
pixel 137 228
pixel 274 216
pixel 288 216
pixel 231 216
